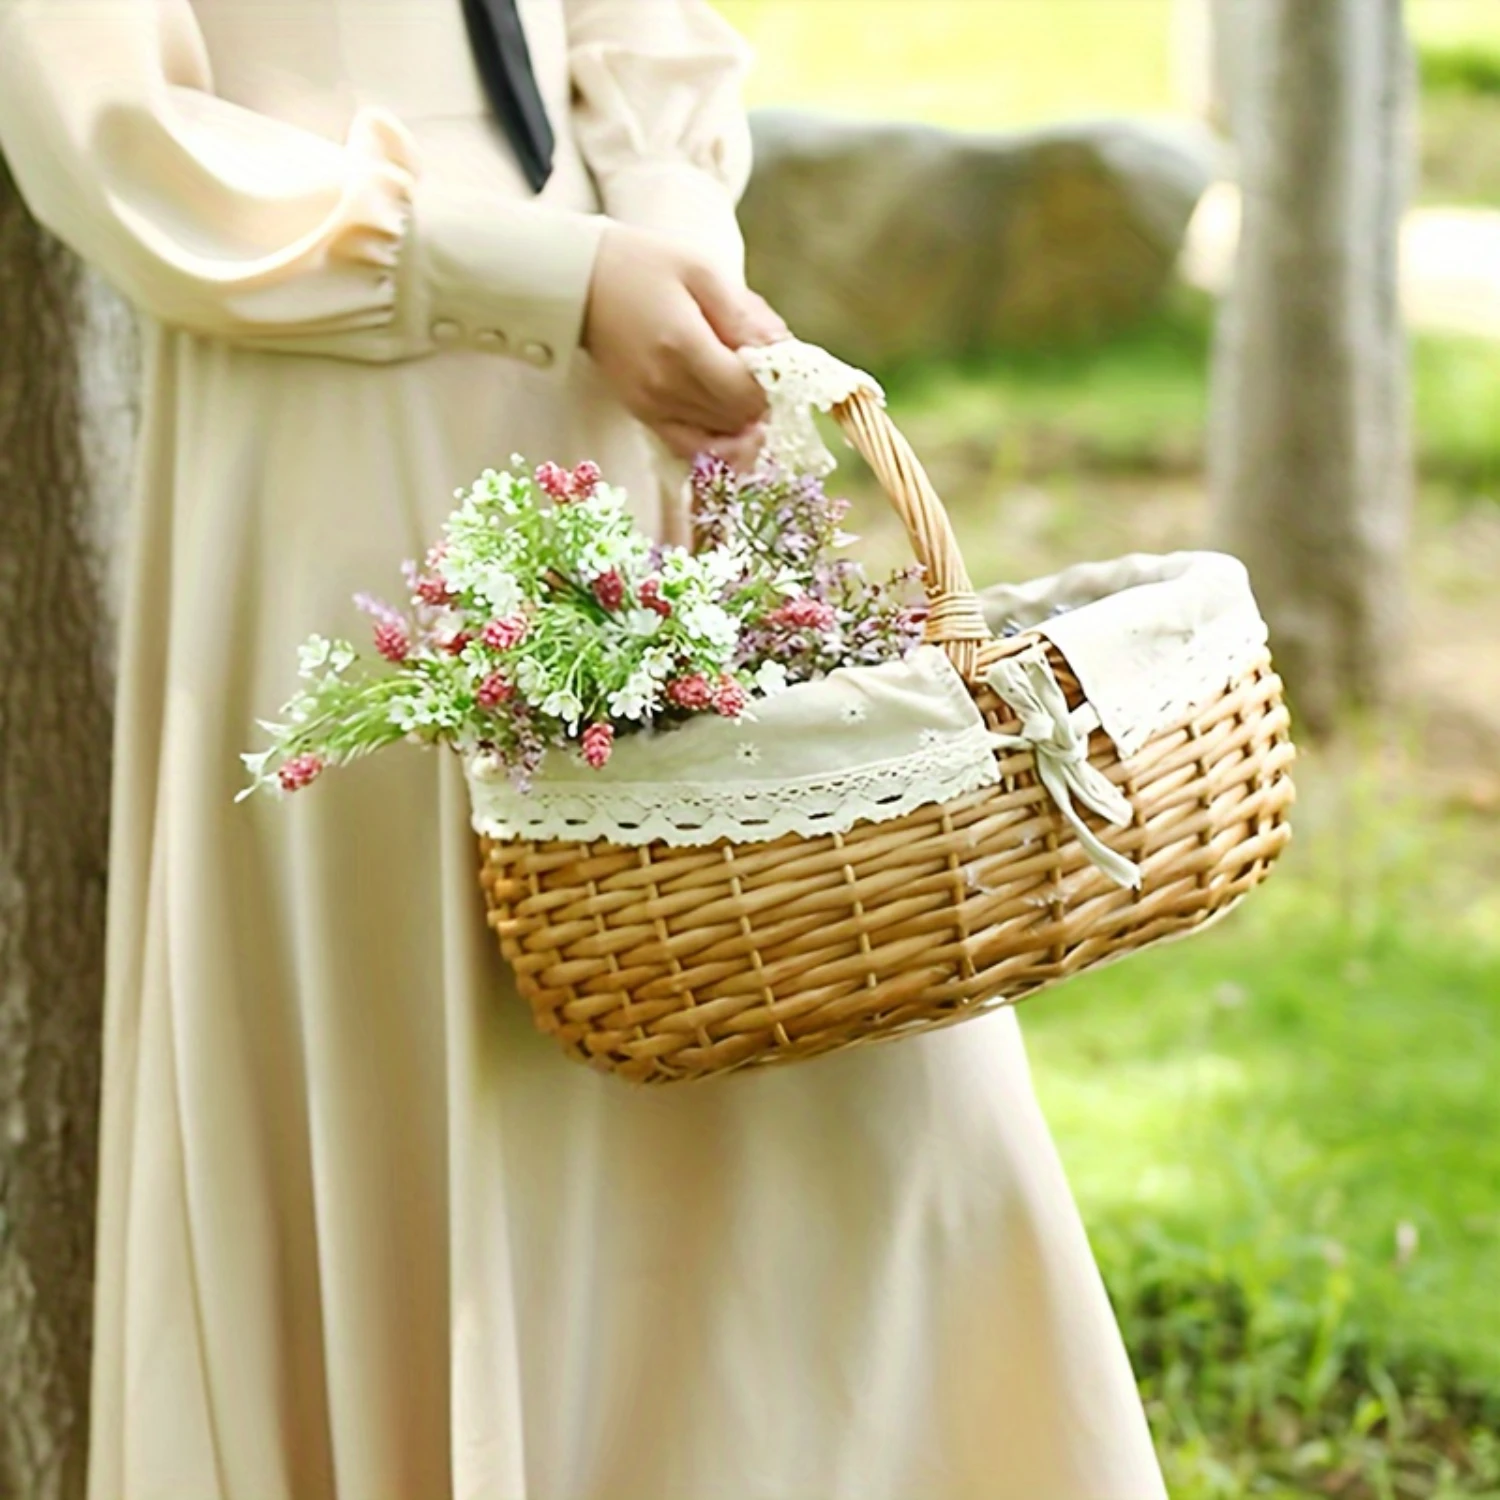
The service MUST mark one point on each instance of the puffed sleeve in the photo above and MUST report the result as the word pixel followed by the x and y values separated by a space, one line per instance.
pixel 225 222
pixel 659 117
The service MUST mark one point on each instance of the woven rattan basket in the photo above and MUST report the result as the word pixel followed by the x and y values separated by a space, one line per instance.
pixel 661 964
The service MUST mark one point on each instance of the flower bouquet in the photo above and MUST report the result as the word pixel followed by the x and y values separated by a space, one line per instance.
pixel 543 623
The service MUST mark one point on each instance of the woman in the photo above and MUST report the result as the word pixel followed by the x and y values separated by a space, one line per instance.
pixel 362 1233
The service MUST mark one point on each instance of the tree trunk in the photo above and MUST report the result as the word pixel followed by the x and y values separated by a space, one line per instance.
pixel 1208 56
pixel 1310 452
pixel 67 405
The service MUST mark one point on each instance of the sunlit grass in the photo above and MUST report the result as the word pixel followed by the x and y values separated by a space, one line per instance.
pixel 990 64
pixel 1285 1136
pixel 971 64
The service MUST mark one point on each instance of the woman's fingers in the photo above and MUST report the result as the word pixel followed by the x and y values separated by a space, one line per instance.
pixel 736 314
pixel 663 326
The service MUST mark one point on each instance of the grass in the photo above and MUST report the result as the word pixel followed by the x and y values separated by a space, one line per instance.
pixel 1286 1138
pixel 1139 402
pixel 988 64
pixel 969 64
pixel 1001 64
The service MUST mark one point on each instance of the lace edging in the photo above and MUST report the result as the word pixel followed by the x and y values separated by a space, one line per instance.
pixel 700 813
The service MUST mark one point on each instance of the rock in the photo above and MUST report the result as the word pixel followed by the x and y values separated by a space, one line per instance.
pixel 888 241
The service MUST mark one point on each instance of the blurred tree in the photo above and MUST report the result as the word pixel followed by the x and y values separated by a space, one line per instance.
pixel 1310 449
pixel 67 358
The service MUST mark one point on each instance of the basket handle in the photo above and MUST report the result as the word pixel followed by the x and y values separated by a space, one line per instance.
pixel 954 621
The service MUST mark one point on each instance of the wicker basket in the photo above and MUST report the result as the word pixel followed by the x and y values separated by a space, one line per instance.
pixel 660 963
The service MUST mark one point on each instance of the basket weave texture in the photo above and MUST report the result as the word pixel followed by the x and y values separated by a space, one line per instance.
pixel 662 964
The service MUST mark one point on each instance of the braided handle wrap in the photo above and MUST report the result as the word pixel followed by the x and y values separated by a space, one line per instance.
pixel 955 621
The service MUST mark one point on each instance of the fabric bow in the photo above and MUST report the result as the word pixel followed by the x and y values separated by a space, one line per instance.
pixel 1058 738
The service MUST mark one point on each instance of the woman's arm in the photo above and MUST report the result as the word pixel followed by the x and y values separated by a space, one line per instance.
pixel 234 225
pixel 659 117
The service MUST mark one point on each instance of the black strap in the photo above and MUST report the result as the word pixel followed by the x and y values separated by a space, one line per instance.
pixel 504 62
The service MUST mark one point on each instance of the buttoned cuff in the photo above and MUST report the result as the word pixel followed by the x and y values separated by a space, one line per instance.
pixel 685 203
pixel 497 274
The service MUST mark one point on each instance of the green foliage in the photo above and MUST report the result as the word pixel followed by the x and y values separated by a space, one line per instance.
pixel 1139 402
pixel 967 65
pixel 1286 1138
pixel 1463 68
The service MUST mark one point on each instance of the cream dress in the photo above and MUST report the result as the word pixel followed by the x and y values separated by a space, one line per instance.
pixel 362 1233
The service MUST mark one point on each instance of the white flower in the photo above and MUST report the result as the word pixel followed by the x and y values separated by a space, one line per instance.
pixel 532 678
pixel 721 566
pixel 676 565
pixel 658 663
pixel 342 657
pixel 709 623
pixel 600 554
pixel 636 698
pixel 854 713
pixel 313 656
pixel 642 622
pixel 424 708
pixel 748 752
pixel 562 703
pixel 498 587
pixel 770 678
pixel 607 502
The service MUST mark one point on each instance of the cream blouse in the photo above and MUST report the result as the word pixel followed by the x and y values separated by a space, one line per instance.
pixel 254 171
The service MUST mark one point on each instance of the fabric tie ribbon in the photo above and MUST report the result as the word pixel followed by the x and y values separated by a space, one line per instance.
pixel 1058 737
pixel 504 63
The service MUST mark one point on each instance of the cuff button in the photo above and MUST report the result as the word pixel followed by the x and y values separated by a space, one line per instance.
pixel 446 331
pixel 492 341
pixel 537 354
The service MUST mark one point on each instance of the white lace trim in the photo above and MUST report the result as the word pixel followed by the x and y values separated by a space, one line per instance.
pixel 797 378
pixel 698 813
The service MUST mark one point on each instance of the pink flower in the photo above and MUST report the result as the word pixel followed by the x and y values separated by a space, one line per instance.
pixel 506 634
pixel 586 477
pixel 690 692
pixel 493 691
pixel 609 589
pixel 455 644
pixel 729 698
pixel 652 599
pixel 554 480
pixel 299 771
pixel 806 614
pixel 392 641
pixel 433 589
pixel 598 741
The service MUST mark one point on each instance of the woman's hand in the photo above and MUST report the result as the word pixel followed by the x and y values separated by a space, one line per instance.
pixel 663 325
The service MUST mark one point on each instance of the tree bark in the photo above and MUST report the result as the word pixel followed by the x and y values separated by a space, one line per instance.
pixel 67 416
pixel 1208 53
pixel 1310 451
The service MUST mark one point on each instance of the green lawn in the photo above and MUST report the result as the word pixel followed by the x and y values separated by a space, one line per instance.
pixel 1286 1138
pixel 983 64
pixel 1139 401
pixel 996 64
